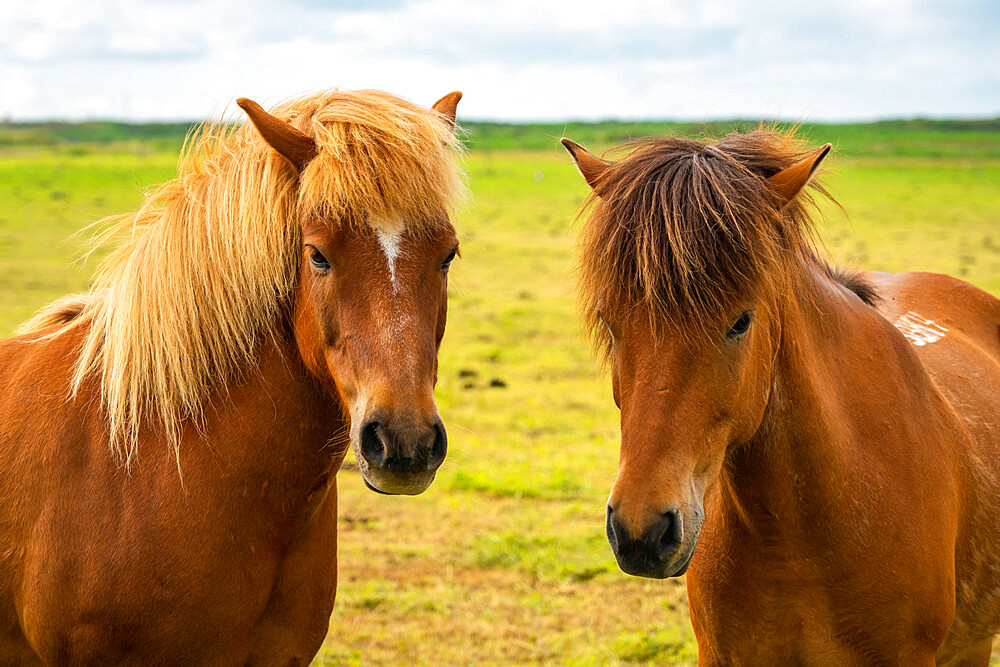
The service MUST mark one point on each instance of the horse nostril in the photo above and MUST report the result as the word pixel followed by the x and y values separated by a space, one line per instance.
pixel 372 447
pixel 609 529
pixel 668 533
pixel 440 447
pixel 615 530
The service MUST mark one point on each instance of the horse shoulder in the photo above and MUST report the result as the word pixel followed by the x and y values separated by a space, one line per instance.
pixel 954 329
pixel 43 434
pixel 217 556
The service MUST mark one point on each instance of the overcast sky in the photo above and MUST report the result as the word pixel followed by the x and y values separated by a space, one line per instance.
pixel 514 60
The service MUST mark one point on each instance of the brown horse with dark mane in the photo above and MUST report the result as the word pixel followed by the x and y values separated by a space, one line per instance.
pixel 821 447
pixel 169 441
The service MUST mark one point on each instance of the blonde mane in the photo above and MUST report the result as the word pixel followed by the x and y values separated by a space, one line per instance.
pixel 209 262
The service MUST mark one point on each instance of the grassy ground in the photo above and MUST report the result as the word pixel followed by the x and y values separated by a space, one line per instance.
pixel 503 560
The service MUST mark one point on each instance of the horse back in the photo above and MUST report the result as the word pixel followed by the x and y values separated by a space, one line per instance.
pixel 923 305
pixel 954 328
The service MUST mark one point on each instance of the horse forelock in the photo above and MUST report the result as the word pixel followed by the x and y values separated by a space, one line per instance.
pixel 680 229
pixel 207 265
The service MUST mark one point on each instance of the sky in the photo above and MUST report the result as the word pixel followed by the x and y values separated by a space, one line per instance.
pixel 516 60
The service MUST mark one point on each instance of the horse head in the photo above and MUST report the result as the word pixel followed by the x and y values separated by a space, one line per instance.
pixel 371 298
pixel 682 264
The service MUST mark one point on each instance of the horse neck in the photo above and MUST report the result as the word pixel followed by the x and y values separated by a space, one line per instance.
pixel 834 354
pixel 274 430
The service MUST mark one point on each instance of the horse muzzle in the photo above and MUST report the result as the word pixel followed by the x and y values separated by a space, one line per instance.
pixel 663 549
pixel 402 457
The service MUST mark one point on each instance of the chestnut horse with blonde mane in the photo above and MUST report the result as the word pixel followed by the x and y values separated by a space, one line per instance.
pixel 169 441
pixel 821 447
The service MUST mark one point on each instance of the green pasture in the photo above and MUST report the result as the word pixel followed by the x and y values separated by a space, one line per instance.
pixel 503 560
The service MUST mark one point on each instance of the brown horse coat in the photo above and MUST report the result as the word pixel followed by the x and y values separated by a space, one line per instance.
pixel 821 449
pixel 859 527
pixel 102 567
pixel 169 441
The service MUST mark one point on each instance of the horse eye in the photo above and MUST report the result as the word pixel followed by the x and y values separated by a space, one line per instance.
pixel 448 259
pixel 741 325
pixel 318 260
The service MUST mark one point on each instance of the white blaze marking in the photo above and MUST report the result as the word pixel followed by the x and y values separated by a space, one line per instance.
pixel 398 318
pixel 919 330
pixel 390 240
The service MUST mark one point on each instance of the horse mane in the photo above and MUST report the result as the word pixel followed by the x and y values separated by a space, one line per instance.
pixel 863 288
pixel 682 228
pixel 208 262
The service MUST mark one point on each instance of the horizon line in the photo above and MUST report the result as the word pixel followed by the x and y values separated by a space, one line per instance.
pixel 7 121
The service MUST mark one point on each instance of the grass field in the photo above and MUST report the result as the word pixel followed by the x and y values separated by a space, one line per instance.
pixel 503 560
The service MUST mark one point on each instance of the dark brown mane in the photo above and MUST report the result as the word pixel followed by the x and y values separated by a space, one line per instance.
pixel 682 228
pixel 854 281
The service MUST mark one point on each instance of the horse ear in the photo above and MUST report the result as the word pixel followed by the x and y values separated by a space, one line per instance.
pixel 295 146
pixel 789 181
pixel 590 167
pixel 448 105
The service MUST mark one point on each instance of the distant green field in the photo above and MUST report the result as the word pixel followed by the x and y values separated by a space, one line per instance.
pixel 503 560
pixel 890 138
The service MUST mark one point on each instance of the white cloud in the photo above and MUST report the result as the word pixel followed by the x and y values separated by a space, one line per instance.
pixel 521 59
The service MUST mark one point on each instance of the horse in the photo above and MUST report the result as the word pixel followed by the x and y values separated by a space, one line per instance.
pixel 169 440
pixel 817 448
